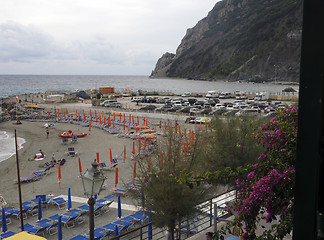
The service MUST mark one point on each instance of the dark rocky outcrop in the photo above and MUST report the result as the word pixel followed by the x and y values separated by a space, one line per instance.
pixel 240 40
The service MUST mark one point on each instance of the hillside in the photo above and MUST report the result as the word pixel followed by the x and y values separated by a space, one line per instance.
pixel 249 40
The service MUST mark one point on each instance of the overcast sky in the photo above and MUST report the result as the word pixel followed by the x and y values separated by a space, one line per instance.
pixel 102 37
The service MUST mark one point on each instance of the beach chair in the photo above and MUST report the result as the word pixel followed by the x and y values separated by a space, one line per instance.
pixel 99 233
pixel 32 229
pixel 64 141
pixel 111 166
pixel 72 152
pixel 80 237
pixel 123 224
pixel 34 177
pixel 117 191
pixel 67 220
pixel 6 234
pixel 110 227
pixel 49 225
pixel 74 139
pixel 60 202
pixel 45 201
pixel 25 209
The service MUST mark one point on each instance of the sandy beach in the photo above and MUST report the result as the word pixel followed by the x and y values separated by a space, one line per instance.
pixel 35 135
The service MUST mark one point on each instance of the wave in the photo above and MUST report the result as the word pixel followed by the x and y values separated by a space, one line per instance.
pixel 7 145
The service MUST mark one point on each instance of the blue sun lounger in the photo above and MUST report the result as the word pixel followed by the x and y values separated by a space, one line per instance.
pixel 67 221
pixel 60 202
pixel 32 229
pixel 7 234
pixel 80 237
pixel 111 227
pixel 99 233
pixel 123 224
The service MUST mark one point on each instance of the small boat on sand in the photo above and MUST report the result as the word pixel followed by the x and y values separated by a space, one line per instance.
pixel 70 134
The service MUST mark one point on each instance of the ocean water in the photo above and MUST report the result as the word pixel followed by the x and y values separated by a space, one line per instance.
pixel 19 84
pixel 7 145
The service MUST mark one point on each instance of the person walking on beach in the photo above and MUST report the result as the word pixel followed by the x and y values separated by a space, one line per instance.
pixel 47 132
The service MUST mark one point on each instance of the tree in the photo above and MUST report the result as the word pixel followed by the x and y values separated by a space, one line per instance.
pixel 170 200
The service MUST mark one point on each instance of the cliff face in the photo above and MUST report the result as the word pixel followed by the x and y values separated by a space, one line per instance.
pixel 240 40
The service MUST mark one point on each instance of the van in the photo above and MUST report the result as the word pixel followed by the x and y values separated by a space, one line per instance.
pixel 211 94
pixel 111 103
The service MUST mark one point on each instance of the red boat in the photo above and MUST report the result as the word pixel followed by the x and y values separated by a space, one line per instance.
pixel 70 134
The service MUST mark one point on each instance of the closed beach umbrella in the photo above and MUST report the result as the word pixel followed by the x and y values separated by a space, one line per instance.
pixel 116 232
pixel 116 176
pixel 59 171
pixel 111 159
pixel 40 214
pixel 80 167
pixel 97 157
pixel 119 208
pixel 149 232
pixel 4 221
pixel 69 199
pixel 59 228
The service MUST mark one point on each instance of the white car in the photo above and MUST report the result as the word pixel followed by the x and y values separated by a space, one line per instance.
pixel 195 110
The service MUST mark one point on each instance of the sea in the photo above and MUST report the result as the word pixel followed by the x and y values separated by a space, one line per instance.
pixel 11 85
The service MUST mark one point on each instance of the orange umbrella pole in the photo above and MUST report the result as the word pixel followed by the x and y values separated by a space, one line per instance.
pixel 137 120
pixel 111 159
pixel 39 114
pixel 149 164
pixel 145 142
pixel 139 144
pixel 58 113
pixel 146 122
pixel 116 176
pixel 124 153
pixel 165 125
pixel 80 167
pixel 89 127
pixel 130 117
pixel 97 157
pixel 49 115
pixel 124 125
pixel 133 147
pixel 124 117
pixel 134 170
pixel 119 117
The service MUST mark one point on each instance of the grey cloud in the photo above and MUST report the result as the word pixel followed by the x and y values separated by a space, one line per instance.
pixel 20 43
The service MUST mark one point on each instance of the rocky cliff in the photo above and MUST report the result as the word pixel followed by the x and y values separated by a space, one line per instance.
pixel 249 40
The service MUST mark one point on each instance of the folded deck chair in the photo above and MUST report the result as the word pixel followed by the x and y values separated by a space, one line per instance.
pixel 74 139
pixel 108 167
pixel 119 191
pixel 64 141
pixel 60 202
pixel 72 152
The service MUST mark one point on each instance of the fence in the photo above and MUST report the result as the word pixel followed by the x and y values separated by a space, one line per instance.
pixel 209 209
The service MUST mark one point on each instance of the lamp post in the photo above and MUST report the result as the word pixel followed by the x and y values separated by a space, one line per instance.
pixel 92 181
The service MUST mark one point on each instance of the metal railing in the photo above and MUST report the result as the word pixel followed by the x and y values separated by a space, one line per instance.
pixel 204 219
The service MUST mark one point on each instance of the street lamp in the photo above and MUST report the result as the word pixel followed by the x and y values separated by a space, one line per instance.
pixel 92 181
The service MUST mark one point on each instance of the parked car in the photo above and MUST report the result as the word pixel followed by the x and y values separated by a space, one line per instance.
pixel 195 110
pixel 111 103
pixel 185 109
pixel 186 94
pixel 148 107
pixel 206 111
